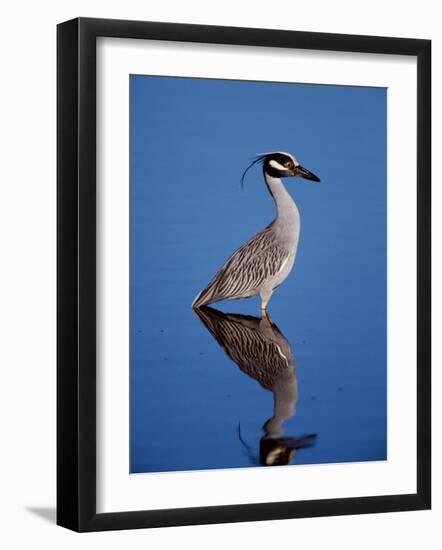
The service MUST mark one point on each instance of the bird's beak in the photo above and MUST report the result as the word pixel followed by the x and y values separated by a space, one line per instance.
pixel 306 174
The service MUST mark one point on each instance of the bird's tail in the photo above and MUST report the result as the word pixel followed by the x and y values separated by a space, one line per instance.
pixel 205 297
pixel 198 301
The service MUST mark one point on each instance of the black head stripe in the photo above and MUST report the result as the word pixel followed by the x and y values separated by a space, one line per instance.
pixel 280 158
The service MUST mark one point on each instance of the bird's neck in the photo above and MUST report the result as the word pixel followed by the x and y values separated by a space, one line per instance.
pixel 285 397
pixel 286 208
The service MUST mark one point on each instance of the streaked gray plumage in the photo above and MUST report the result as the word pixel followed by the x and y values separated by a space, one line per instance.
pixel 257 261
pixel 262 352
pixel 257 346
pixel 263 262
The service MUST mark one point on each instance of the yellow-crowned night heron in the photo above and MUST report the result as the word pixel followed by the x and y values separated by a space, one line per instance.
pixel 264 261
pixel 262 352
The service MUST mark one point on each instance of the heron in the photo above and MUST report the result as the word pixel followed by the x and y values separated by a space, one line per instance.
pixel 261 264
pixel 262 352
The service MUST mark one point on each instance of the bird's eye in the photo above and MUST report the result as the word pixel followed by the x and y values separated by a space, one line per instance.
pixel 288 165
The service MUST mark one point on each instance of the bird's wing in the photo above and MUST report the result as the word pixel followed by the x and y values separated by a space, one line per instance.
pixel 246 270
pixel 257 347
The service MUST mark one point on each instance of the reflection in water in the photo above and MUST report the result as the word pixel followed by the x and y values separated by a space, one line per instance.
pixel 263 353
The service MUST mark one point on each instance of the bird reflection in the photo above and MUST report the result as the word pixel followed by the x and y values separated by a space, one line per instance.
pixel 261 351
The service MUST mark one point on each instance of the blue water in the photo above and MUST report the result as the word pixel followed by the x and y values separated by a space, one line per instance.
pixel 195 404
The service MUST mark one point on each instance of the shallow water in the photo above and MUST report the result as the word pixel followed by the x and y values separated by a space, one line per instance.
pixel 202 394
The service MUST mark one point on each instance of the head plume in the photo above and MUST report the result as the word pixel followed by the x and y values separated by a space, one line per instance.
pixel 256 160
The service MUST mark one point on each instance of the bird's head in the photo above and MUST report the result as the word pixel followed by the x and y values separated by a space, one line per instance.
pixel 281 450
pixel 281 165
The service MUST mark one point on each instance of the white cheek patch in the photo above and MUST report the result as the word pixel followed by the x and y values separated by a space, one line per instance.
pixel 275 164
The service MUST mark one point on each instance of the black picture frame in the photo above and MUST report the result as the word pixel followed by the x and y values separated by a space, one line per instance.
pixel 76 273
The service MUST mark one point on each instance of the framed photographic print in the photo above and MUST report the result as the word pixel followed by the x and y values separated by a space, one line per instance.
pixel 243 274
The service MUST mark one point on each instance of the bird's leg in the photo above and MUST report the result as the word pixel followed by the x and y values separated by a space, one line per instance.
pixel 265 297
pixel 266 315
